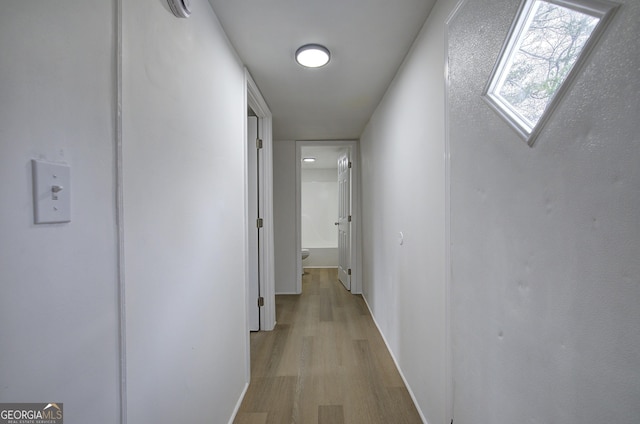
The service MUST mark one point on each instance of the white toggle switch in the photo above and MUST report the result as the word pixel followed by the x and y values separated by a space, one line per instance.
pixel 55 190
pixel 51 193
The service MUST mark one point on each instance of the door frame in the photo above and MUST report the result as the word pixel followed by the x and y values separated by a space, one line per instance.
pixel 255 101
pixel 356 263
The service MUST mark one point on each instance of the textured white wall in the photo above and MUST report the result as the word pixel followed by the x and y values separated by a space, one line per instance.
pixel 404 191
pixel 546 240
pixel 58 282
pixel 284 215
pixel 183 147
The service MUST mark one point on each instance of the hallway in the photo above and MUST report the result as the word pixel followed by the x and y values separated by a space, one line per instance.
pixel 324 363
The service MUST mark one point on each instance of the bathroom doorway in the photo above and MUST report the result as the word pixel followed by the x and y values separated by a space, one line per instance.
pixel 324 208
pixel 319 206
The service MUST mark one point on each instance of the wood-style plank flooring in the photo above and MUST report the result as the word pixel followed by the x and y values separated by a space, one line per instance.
pixel 325 363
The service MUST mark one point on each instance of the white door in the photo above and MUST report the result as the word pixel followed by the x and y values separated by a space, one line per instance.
pixel 344 220
pixel 252 230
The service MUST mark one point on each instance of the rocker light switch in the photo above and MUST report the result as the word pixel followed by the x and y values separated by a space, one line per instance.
pixel 51 192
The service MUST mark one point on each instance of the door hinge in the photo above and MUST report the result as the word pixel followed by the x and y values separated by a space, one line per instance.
pixel 259 223
pixel 349 218
pixel 258 143
pixel 349 271
pixel 350 164
pixel 260 302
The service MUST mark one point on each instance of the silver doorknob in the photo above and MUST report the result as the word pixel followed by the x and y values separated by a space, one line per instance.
pixel 336 223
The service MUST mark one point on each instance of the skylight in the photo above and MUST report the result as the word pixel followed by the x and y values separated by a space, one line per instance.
pixel 546 45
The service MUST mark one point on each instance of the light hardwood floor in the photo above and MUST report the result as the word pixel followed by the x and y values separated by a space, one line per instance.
pixel 325 363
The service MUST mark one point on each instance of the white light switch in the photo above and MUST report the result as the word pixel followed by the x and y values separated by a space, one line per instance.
pixel 51 192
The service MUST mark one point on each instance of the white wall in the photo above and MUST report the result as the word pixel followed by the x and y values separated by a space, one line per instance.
pixel 546 240
pixel 183 148
pixel 58 282
pixel 404 191
pixel 284 216
pixel 321 257
pixel 319 207
pixel 319 204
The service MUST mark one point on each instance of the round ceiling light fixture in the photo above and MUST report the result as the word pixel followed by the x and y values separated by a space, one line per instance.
pixel 180 8
pixel 313 55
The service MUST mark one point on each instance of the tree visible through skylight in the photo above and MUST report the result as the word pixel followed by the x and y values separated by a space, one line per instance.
pixel 545 44
pixel 548 50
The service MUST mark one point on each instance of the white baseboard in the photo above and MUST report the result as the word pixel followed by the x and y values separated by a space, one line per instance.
pixel 237 408
pixel 395 361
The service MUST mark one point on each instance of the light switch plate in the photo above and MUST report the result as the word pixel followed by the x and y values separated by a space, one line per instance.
pixel 51 192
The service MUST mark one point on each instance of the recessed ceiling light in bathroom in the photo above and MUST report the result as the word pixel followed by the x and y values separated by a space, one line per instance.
pixel 313 55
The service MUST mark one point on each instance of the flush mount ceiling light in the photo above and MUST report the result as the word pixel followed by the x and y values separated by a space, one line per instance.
pixel 180 8
pixel 309 160
pixel 313 55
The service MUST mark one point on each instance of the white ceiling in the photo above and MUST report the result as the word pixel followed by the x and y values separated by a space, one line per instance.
pixel 368 40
